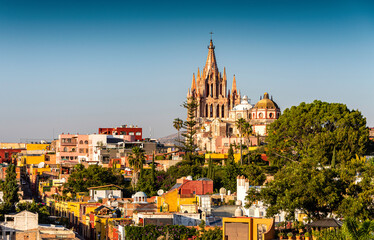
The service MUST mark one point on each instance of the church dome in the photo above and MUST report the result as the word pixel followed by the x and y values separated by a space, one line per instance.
pixel 266 103
pixel 244 105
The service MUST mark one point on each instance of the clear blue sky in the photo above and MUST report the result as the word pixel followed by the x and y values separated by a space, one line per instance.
pixel 74 66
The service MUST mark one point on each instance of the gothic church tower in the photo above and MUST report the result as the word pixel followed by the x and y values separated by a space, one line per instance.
pixel 210 90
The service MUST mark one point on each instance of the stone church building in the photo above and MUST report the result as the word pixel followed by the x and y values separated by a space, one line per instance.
pixel 219 108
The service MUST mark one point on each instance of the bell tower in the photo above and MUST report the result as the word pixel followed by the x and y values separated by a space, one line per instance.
pixel 209 87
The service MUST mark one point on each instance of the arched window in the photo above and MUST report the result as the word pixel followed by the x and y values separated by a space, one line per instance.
pixel 86 142
pixel 271 115
pixel 207 89
pixel 81 142
pixel 206 111
pixel 211 90
pixel 220 89
pixel 223 111
pixel 260 115
pixel 211 110
pixel 217 111
pixel 65 149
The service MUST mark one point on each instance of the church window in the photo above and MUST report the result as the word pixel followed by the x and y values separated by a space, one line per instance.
pixel 206 110
pixel 260 115
pixel 207 89
pixel 271 115
pixel 211 90
pixel 217 111
pixel 223 111
pixel 211 110
pixel 220 89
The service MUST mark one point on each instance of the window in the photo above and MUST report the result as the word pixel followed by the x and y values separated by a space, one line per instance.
pixel 217 111
pixel 138 133
pixel 260 115
pixel 239 115
pixel 271 115
pixel 211 110
pixel 81 150
pixel 223 111
pixel 65 149
pixel 81 142
pixel 86 142
pixel 86 150
pixel 226 144
pixel 131 133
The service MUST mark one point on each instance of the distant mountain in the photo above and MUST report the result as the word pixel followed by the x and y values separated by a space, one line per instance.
pixel 170 139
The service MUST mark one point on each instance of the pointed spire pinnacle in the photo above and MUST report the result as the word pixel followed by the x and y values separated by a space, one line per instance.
pixel 234 85
pixel 211 63
pixel 224 74
pixel 198 76
pixel 193 85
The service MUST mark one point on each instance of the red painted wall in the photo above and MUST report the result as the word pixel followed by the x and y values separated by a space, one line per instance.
pixel 123 131
pixel 196 187
pixel 8 152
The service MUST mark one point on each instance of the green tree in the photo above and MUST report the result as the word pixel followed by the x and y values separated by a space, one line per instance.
pixel 136 161
pixel 255 174
pixel 319 191
pixel 10 189
pixel 210 172
pixel 231 172
pixel 178 124
pixel 311 131
pixel 39 208
pixel 188 145
pixel 82 178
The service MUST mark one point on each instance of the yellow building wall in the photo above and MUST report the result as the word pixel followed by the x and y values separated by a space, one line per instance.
pixel 33 159
pixel 174 201
pixel 171 198
pixel 32 147
pixel 220 156
pixel 252 227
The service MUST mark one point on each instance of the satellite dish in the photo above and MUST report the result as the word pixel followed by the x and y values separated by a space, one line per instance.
pixel 160 192
pixel 41 165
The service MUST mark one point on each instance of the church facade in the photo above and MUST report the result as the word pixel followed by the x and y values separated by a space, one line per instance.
pixel 219 108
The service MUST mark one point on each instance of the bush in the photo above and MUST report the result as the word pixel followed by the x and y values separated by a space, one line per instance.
pixel 149 232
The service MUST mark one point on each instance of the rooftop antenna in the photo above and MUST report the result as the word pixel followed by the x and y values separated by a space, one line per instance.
pixel 211 35
pixel 150 132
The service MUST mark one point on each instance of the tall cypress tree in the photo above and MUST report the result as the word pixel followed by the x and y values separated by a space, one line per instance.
pixel 10 188
pixel 153 171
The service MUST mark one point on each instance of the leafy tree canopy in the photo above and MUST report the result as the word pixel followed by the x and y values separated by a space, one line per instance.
pixel 312 130
pixel 83 178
